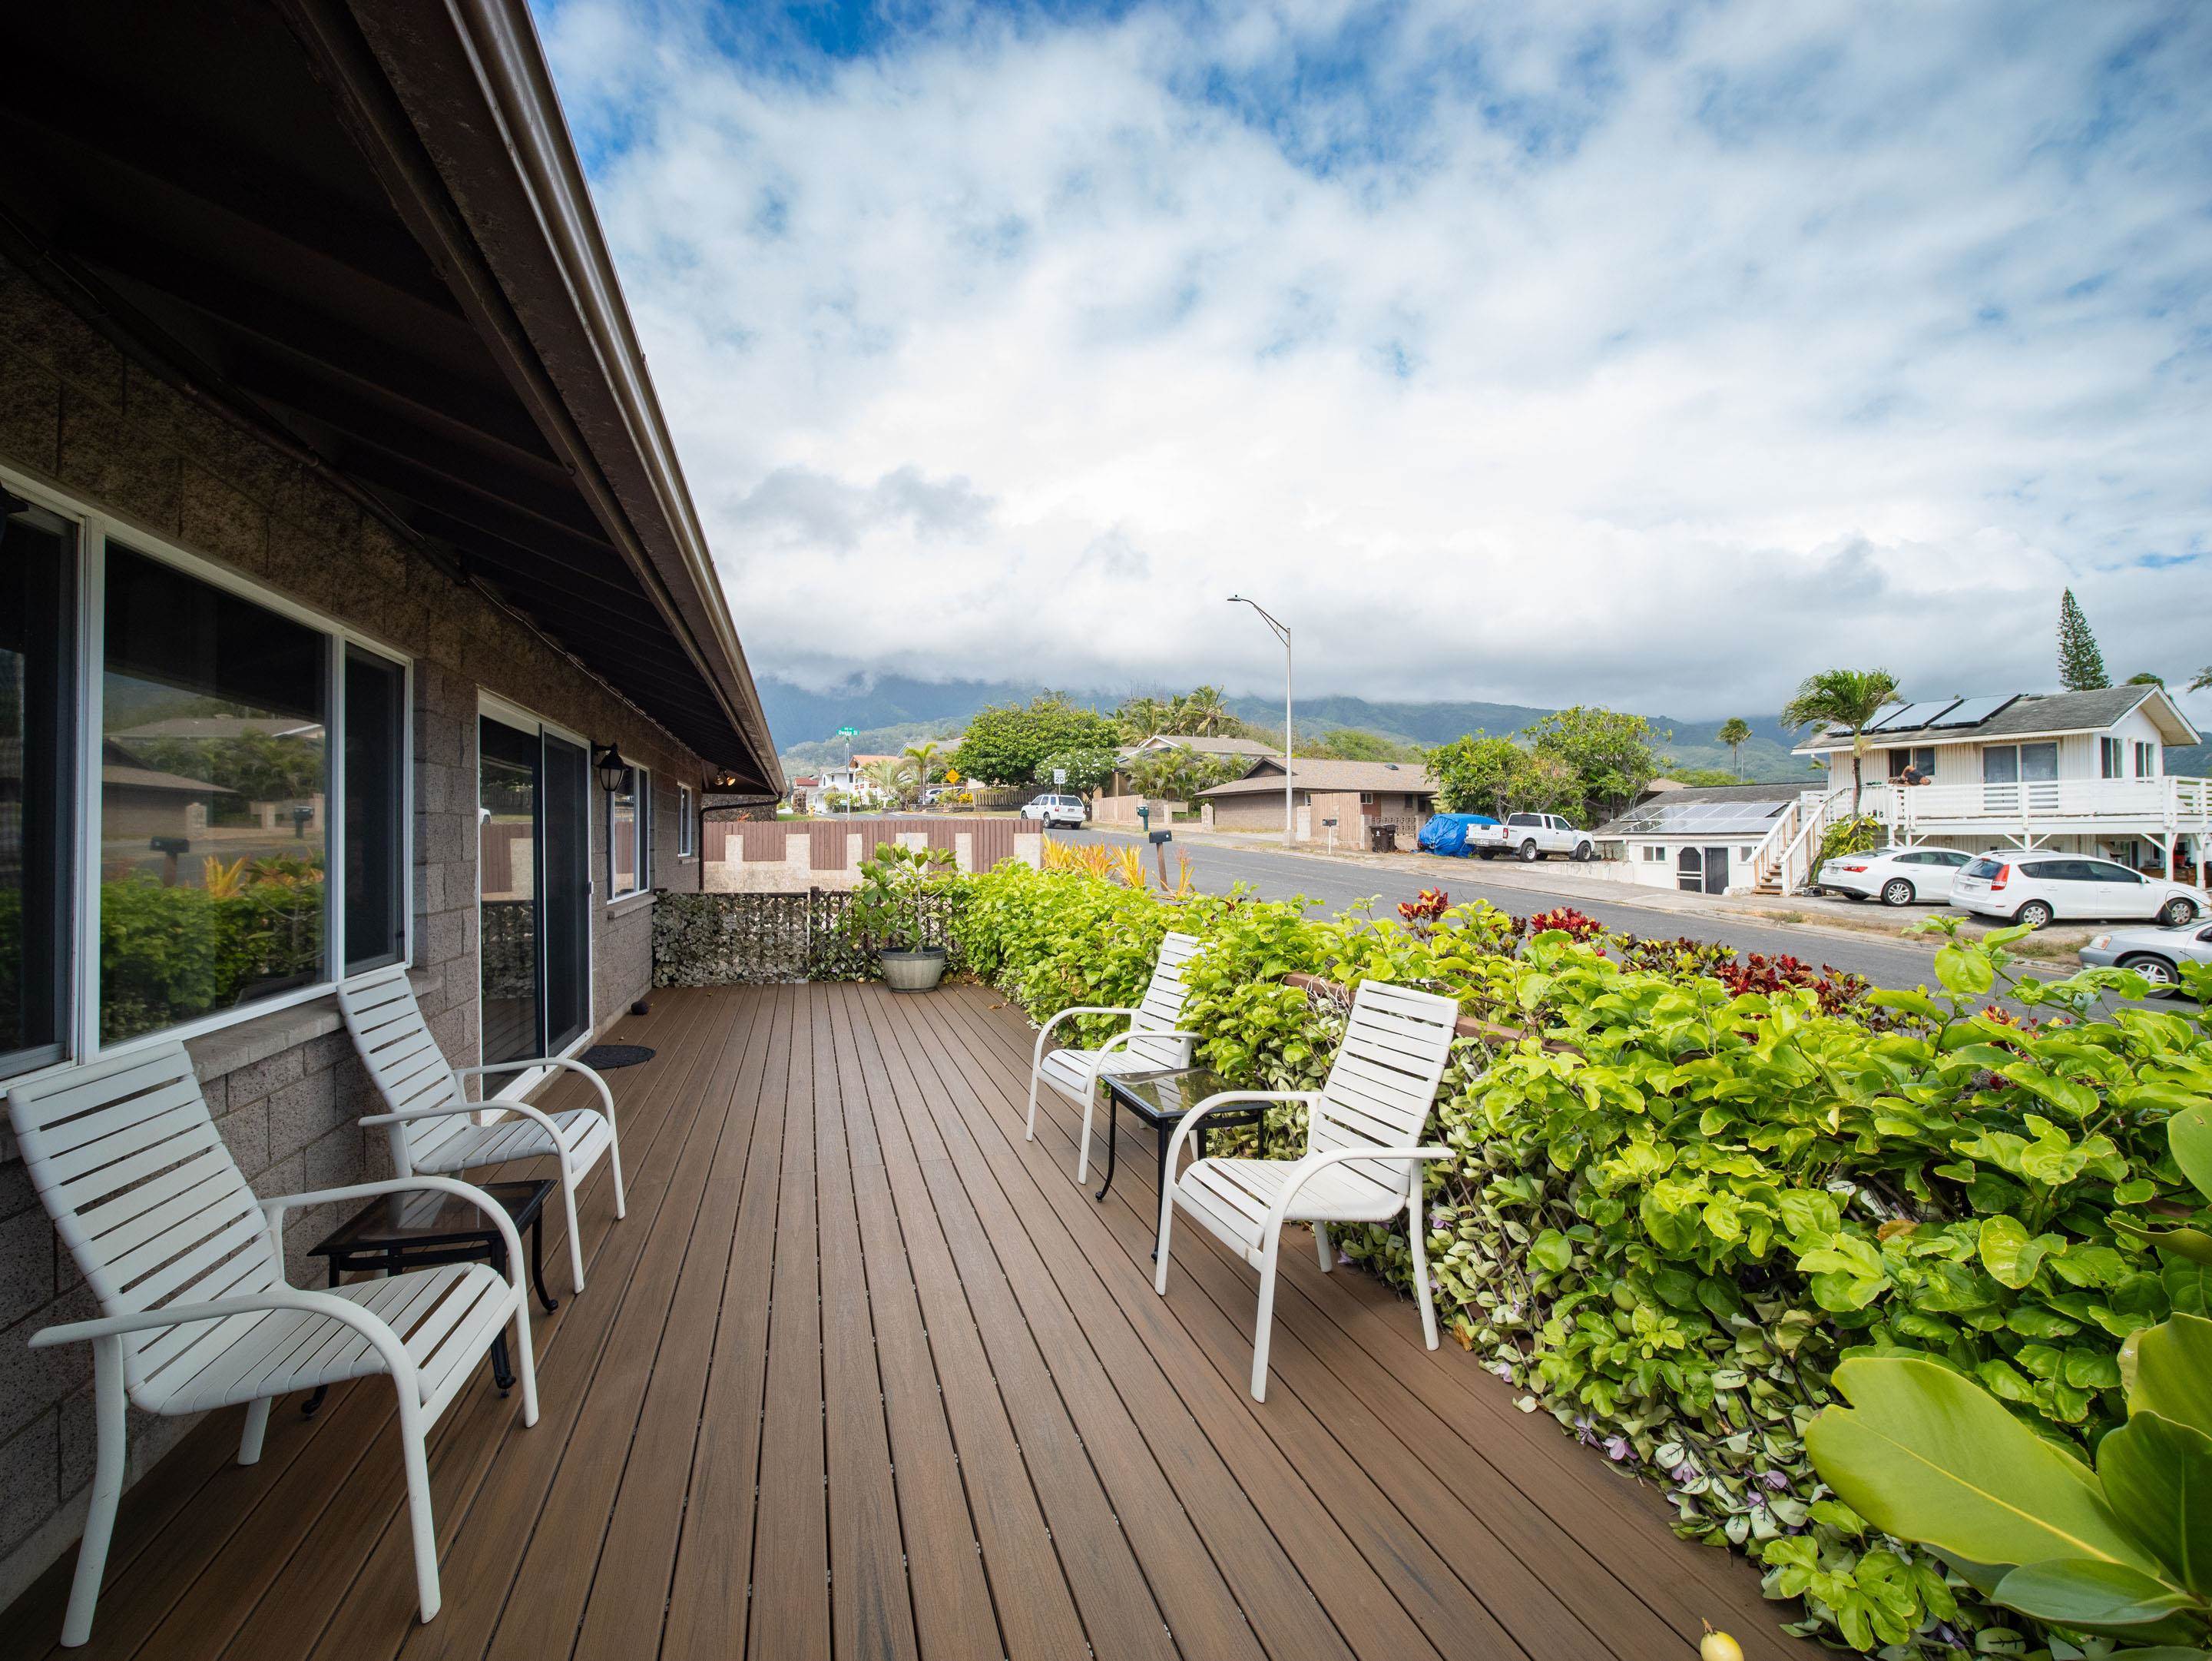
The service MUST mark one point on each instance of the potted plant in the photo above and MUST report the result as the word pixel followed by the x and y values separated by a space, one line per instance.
pixel 887 913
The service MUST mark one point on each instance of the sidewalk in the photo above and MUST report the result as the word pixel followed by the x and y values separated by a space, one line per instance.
pixel 1554 877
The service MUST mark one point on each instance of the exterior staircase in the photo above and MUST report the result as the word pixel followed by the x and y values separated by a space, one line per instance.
pixel 1783 863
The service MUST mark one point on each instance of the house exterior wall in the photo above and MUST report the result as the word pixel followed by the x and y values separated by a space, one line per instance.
pixel 1646 871
pixel 76 417
pixel 1251 810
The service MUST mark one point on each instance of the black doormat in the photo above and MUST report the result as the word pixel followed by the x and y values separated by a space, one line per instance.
pixel 601 1056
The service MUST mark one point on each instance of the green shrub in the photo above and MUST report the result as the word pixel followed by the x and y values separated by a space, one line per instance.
pixel 1669 1233
pixel 1862 834
pixel 172 954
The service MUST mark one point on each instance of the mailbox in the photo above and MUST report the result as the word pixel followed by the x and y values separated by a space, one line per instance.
pixel 1159 837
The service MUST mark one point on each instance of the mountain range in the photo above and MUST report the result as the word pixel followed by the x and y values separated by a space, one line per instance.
pixel 892 711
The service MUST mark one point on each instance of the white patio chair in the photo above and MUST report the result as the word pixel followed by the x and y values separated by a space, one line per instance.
pixel 189 1269
pixel 433 1123
pixel 1149 1044
pixel 1362 1162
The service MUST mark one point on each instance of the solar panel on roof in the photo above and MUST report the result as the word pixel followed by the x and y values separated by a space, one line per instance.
pixel 1888 713
pixel 1974 711
pixel 1921 714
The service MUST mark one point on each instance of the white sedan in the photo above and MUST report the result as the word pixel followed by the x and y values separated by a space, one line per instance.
pixel 1895 876
pixel 2034 888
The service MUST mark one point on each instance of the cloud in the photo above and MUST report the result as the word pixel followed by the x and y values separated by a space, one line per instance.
pixel 1653 356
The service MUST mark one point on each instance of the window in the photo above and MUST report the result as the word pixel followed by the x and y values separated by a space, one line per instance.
pixel 2146 760
pixel 375 838
pixel 1654 854
pixel 2111 753
pixel 38 594
pixel 630 834
pixel 237 840
pixel 1366 798
pixel 2104 871
pixel 1921 760
pixel 685 846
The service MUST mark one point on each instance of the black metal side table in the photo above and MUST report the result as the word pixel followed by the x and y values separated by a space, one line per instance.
pixel 1160 1099
pixel 426 1228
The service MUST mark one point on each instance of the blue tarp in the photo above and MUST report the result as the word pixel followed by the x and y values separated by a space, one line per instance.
pixel 1446 833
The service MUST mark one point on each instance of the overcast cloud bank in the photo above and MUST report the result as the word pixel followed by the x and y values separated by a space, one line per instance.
pixel 1653 356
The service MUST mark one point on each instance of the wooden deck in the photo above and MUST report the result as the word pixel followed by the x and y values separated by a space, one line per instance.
pixel 865 1374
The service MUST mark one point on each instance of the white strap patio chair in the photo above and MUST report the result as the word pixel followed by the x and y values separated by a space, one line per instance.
pixel 1149 1044
pixel 433 1125
pixel 1362 1161
pixel 195 1311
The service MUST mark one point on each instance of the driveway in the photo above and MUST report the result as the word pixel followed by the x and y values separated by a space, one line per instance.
pixel 1335 882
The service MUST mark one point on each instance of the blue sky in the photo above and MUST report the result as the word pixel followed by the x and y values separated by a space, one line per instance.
pixel 1656 354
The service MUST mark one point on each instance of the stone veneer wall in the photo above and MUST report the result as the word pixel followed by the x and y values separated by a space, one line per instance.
pixel 76 415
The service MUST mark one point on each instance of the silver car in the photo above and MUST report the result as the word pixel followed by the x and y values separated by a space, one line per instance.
pixel 2154 952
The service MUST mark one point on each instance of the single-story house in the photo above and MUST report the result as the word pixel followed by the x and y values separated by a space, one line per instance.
pixel 1702 838
pixel 323 433
pixel 1241 751
pixel 1352 793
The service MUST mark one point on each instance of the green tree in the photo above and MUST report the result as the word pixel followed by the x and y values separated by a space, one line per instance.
pixel 2201 679
pixel 1848 698
pixel 1179 775
pixel 1202 712
pixel 1736 732
pixel 2144 677
pixel 1478 774
pixel 1698 776
pixel 1354 743
pixel 2080 664
pixel 1086 769
pixel 1004 742
pixel 925 765
pixel 1608 752
pixel 1138 716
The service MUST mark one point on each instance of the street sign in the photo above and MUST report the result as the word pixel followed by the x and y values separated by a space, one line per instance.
pixel 849 732
pixel 1060 775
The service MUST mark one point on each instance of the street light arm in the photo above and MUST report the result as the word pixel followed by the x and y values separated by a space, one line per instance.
pixel 1282 633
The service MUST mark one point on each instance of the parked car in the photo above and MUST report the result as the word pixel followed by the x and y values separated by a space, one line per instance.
pixel 2034 888
pixel 1529 837
pixel 1895 876
pixel 1054 808
pixel 2155 953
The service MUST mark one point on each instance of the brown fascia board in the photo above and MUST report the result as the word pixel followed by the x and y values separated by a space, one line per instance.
pixel 455 108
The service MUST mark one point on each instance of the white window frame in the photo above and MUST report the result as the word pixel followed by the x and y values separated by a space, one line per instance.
pixel 2112 758
pixel 687 845
pixel 2146 759
pixel 81 1038
pixel 641 787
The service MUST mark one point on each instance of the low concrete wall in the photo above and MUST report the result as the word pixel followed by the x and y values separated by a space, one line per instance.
pixel 1122 811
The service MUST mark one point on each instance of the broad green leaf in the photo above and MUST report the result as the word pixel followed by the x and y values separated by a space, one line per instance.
pixel 2005 1254
pixel 2167 1370
pixel 1928 1456
pixel 2188 1135
pixel 2081 1593
pixel 2157 1476
pixel 1965 969
pixel 2194 1243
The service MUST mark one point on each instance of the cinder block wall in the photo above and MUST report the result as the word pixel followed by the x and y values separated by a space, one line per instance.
pixel 78 416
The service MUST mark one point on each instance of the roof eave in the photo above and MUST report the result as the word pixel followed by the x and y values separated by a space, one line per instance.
pixel 477 155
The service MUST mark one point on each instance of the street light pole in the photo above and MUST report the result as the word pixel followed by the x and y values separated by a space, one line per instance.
pixel 1282 633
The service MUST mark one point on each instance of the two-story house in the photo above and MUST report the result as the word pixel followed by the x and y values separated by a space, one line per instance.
pixel 2084 772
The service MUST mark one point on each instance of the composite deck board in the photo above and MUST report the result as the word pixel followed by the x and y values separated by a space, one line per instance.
pixel 1570 1512
pixel 864 1373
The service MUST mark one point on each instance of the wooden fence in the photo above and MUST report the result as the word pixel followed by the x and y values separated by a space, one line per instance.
pixel 827 844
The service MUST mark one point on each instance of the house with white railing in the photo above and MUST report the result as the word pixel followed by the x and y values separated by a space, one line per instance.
pixel 2076 772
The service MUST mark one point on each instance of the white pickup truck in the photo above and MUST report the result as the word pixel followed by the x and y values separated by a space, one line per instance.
pixel 1529 837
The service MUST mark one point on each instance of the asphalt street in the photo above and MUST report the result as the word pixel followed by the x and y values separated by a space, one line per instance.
pixel 1334 885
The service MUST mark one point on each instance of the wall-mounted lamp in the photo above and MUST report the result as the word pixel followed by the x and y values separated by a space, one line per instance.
pixel 724 782
pixel 614 772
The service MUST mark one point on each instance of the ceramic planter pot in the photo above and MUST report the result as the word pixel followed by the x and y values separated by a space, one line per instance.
pixel 913 971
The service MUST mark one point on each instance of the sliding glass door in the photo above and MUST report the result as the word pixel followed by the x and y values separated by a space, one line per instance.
pixel 534 890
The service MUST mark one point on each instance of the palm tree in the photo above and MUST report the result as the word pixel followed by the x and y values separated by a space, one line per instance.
pixel 1734 734
pixel 921 760
pixel 1200 713
pixel 1848 698
pixel 888 776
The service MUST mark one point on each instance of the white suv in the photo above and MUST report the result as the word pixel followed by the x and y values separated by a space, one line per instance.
pixel 1066 811
pixel 2034 888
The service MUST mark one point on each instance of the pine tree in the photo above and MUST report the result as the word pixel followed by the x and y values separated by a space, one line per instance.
pixel 2080 664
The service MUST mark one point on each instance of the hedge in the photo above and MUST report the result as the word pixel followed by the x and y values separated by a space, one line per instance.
pixel 1685 1189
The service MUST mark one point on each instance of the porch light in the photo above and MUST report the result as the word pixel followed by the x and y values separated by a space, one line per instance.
pixel 613 771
